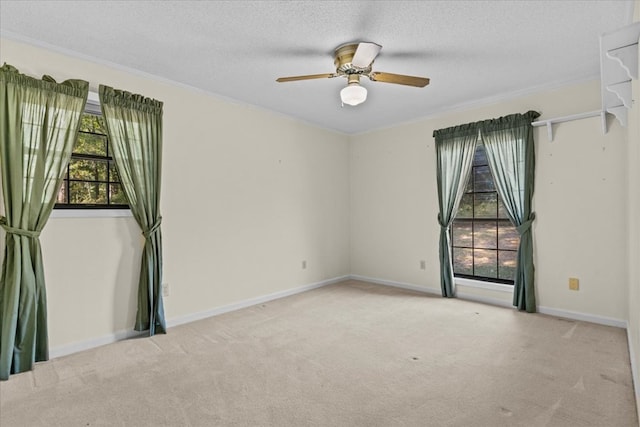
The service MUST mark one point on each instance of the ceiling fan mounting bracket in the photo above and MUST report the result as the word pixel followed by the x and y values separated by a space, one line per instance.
pixel 353 78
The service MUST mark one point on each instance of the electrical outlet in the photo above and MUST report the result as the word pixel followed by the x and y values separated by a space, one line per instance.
pixel 423 265
pixel 574 284
pixel 304 264
pixel 165 289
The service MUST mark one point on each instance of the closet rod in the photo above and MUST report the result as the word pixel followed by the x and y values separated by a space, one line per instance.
pixel 549 122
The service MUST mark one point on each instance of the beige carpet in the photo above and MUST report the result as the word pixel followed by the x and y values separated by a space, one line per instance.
pixel 351 354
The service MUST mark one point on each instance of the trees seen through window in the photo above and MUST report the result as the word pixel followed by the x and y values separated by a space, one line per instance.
pixel 484 242
pixel 91 180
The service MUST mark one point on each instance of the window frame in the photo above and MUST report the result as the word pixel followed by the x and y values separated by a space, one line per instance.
pixel 92 107
pixel 473 220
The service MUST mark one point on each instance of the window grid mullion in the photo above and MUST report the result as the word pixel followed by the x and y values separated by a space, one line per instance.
pixel 497 237
pixel 473 222
pixel 109 171
pixel 108 177
pixel 68 183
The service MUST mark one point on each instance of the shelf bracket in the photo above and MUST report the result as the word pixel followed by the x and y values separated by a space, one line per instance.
pixel 618 67
pixel 550 131
pixel 627 57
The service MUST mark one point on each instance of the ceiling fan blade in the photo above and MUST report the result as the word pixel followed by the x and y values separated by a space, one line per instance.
pixel 308 77
pixel 365 54
pixel 399 79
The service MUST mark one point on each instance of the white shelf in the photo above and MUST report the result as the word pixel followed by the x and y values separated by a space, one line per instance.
pixel 550 122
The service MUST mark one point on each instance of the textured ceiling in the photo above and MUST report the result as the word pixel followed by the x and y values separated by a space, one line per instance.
pixel 472 51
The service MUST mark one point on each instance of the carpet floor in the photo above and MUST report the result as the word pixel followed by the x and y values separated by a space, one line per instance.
pixel 350 354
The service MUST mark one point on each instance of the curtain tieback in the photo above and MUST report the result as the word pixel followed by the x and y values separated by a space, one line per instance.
pixel 442 225
pixel 155 227
pixel 526 226
pixel 17 231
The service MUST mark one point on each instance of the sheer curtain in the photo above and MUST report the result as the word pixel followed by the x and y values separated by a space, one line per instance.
pixel 39 122
pixel 455 148
pixel 508 142
pixel 134 127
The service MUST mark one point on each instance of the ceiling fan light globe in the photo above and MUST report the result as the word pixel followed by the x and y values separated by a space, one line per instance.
pixel 353 94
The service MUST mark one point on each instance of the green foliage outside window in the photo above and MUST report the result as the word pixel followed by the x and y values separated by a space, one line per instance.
pixel 92 179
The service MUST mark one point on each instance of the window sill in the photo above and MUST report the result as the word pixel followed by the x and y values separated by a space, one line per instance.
pixel 91 213
pixel 499 287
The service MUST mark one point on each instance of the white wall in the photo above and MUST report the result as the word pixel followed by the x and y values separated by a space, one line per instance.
pixel 633 214
pixel 580 201
pixel 246 196
pixel 633 160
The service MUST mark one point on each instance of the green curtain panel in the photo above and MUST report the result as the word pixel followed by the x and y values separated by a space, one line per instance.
pixel 455 148
pixel 39 122
pixel 508 142
pixel 134 127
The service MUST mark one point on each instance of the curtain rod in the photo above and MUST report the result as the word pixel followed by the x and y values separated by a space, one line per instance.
pixel 549 122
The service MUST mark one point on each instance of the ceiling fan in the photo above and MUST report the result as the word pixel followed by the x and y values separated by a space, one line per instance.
pixel 354 60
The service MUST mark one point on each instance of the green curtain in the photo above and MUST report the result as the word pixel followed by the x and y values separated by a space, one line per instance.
pixel 508 142
pixel 39 122
pixel 455 148
pixel 134 127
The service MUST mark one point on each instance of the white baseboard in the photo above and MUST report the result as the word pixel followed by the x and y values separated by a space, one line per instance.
pixel 125 334
pixel 64 350
pixel 592 318
pixel 75 347
pixel 634 370
pixel 395 284
pixel 249 302
pixel 484 300
pixel 429 290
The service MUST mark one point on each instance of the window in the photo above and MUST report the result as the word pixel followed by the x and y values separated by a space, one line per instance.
pixel 91 180
pixel 484 242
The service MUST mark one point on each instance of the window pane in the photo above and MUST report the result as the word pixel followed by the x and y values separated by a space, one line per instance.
pixel 482 179
pixel 88 169
pixel 484 242
pixel 469 187
pixel 62 194
pixel 113 173
pixel 486 205
pixel 463 261
pixel 87 193
pixel 461 231
pixel 480 156
pixel 485 263
pixel 92 123
pixel 485 234
pixel 507 265
pixel 117 195
pixel 502 211
pixel 508 237
pixel 88 143
pixel 465 210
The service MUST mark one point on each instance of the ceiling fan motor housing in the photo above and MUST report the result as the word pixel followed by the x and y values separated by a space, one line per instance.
pixel 342 60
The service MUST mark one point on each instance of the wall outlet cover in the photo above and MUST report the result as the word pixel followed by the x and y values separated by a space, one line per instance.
pixel 574 284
